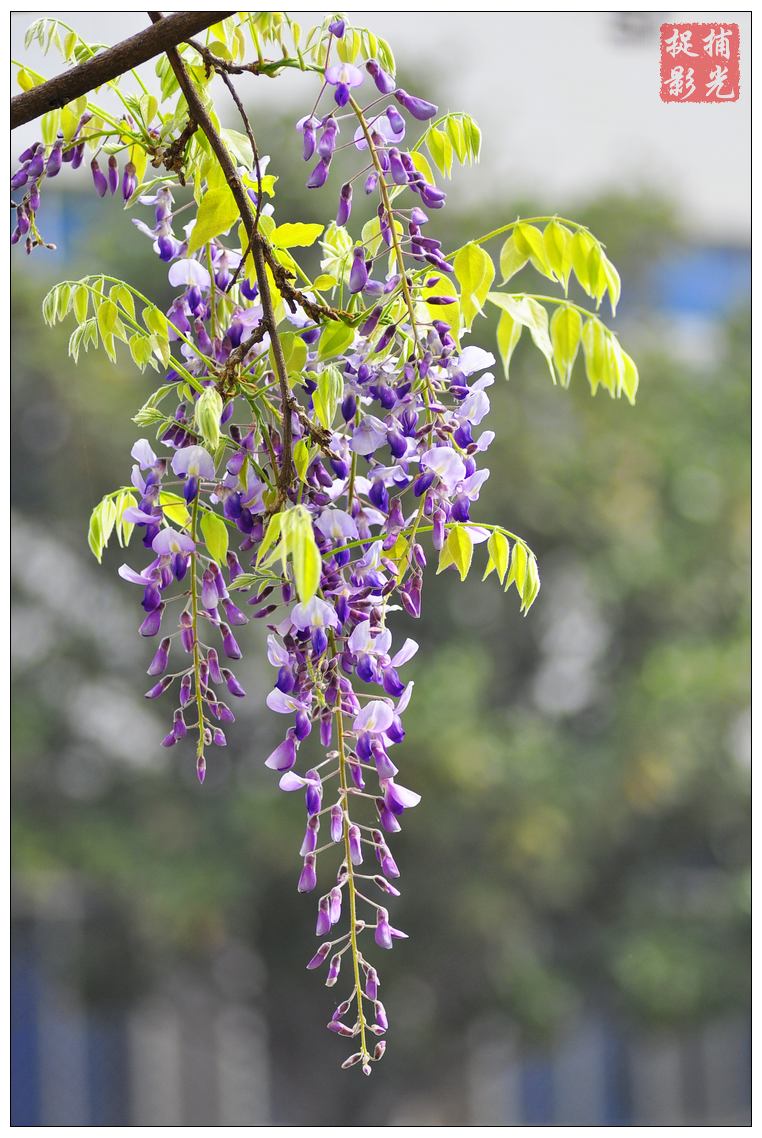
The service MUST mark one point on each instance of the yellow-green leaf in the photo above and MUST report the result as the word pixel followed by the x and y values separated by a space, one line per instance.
pixel 334 339
pixel 216 214
pixel 531 586
pixel 461 549
pixel 174 508
pixel 519 566
pixel 557 243
pixel 215 536
pixel 272 533
pixel 508 336
pixel 630 377
pixel 95 534
pixel 530 244
pixel 499 550
pixel 292 234
pixel 529 312
pixel 565 332
pixel 474 273
pixel 511 260
pixel 594 337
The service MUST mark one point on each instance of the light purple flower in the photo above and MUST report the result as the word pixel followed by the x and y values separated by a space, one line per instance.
pixel 446 464
pixel 283 757
pixel 337 525
pixel 343 76
pixel 193 462
pixel 189 272
pixel 143 454
pixel 314 613
pixel 169 541
pixel 369 435
pixel 374 718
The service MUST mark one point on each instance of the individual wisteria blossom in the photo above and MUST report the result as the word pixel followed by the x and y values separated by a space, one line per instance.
pixel 306 454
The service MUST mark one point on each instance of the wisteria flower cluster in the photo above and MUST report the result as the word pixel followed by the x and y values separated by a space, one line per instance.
pixel 317 440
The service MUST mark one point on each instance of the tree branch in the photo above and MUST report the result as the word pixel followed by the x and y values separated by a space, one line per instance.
pixel 109 64
pixel 199 112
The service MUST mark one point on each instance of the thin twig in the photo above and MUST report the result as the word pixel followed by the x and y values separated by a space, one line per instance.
pixel 242 200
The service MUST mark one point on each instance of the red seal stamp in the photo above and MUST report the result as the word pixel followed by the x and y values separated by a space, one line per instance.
pixel 700 63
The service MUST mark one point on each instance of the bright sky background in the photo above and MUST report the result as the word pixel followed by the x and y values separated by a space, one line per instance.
pixel 569 106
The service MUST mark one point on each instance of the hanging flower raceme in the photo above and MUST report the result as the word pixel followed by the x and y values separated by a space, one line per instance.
pixel 306 452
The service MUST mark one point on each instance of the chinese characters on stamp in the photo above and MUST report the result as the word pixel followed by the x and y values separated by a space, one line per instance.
pixel 700 63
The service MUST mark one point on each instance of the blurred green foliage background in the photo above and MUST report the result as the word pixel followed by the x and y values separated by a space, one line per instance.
pixel 583 836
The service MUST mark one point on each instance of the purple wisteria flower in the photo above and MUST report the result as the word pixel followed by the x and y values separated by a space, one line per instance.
pixel 343 76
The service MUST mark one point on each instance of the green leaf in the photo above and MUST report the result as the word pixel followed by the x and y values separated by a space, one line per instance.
pixel 301 458
pixel 531 585
pixel 121 294
pixel 155 321
pixel 499 550
pixel 337 251
pixel 529 312
pixel 174 508
pixel 613 283
pixel 108 517
pixel 63 300
pixel 294 353
pixel 596 273
pixel 299 542
pixel 140 350
pixel 461 549
pixel 445 559
pixel 334 339
pixel 272 533
pixel 421 163
pixel 95 534
pixel 208 409
pixel 474 273
pixel 441 150
pixel 565 333
pixel 530 244
pixel 594 337
pixel 582 245
pixel 557 241
pixel 508 336
pixel 123 528
pixel 215 536
pixel 457 135
pixel 325 282
pixel 328 395
pixel 630 377
pixel 80 301
pixel 519 567
pixel 293 234
pixel 511 260
pixel 216 214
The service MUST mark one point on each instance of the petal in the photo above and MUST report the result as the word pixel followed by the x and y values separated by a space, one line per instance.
pixel 134 578
pixel 282 703
pixel 143 454
pixel 406 652
pixel 292 781
pixel 446 463
pixel 376 716
pixel 404 699
pixel 474 358
pixel 189 272
pixel 407 798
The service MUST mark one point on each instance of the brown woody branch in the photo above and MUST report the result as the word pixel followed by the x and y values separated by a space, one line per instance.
pixel 110 64
pixel 200 114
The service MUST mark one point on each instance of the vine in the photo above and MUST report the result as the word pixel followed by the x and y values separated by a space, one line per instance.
pixel 308 436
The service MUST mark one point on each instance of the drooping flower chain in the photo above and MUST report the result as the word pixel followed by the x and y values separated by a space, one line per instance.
pixel 401 462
